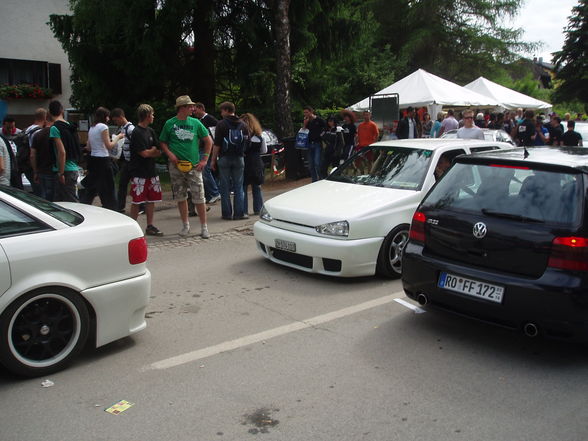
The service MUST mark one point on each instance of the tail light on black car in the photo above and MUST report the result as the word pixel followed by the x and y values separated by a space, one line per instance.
pixel 569 253
pixel 417 227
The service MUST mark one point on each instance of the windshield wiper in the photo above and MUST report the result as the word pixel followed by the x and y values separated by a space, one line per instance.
pixel 516 217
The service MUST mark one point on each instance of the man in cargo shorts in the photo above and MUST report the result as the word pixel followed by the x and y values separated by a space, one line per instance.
pixel 179 140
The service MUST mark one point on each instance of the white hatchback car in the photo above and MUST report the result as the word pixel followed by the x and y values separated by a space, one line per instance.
pixel 356 222
pixel 67 271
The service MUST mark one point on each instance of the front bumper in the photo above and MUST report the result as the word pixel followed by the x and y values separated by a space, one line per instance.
pixel 119 307
pixel 557 302
pixel 322 255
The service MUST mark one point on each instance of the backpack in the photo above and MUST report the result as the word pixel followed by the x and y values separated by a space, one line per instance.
pixel 23 149
pixel 234 141
pixel 15 178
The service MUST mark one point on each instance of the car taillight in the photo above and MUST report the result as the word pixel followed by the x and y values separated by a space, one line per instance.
pixel 137 251
pixel 569 253
pixel 417 228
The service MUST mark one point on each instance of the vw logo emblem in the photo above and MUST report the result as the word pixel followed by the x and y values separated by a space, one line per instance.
pixel 480 230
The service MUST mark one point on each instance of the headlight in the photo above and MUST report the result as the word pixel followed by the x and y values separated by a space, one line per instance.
pixel 340 228
pixel 263 214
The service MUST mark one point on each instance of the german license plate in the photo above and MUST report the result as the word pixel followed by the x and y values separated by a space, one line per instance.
pixel 471 287
pixel 285 245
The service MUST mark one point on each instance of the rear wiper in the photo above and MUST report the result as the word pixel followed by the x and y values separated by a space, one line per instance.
pixel 516 217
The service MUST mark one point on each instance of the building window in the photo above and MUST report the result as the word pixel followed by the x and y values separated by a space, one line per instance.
pixel 31 72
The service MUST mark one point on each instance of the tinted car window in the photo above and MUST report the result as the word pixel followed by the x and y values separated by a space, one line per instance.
pixel 519 194
pixel 391 167
pixel 13 221
pixel 66 216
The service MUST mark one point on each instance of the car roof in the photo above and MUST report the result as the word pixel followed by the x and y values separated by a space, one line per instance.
pixel 437 143
pixel 570 157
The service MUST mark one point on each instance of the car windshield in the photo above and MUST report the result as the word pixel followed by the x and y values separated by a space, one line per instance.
pixel 516 193
pixel 66 216
pixel 391 167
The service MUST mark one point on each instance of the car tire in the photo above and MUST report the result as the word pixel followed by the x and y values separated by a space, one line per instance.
pixel 42 331
pixel 390 257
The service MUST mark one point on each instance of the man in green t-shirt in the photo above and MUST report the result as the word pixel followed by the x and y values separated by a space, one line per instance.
pixel 66 148
pixel 179 140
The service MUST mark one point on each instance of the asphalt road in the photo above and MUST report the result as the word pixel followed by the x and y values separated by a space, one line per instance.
pixel 238 348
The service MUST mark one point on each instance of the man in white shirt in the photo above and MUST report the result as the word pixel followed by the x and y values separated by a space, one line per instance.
pixel 469 129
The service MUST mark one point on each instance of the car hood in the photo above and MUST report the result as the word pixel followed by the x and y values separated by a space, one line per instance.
pixel 329 201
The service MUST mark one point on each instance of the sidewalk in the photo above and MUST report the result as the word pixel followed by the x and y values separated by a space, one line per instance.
pixel 167 217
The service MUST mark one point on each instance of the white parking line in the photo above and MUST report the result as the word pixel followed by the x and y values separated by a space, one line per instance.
pixel 409 305
pixel 270 333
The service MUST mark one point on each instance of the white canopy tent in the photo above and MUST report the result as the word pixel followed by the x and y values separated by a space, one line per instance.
pixel 507 98
pixel 422 88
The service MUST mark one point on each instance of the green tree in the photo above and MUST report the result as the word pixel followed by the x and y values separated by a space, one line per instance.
pixel 571 62
pixel 456 39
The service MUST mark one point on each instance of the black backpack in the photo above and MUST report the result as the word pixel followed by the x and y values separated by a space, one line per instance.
pixel 15 179
pixel 23 149
pixel 235 140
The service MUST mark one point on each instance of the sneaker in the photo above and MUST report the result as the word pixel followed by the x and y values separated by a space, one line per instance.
pixel 204 233
pixel 245 216
pixel 214 199
pixel 152 230
pixel 185 230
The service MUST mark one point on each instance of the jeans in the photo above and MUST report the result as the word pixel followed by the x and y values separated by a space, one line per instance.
pixel 257 198
pixel 210 187
pixel 47 183
pixel 67 192
pixel 314 160
pixel 230 169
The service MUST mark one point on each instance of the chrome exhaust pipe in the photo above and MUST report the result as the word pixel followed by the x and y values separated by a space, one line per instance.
pixel 531 330
pixel 422 299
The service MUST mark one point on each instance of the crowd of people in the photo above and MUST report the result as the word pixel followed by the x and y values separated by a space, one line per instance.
pixel 197 146
pixel 524 126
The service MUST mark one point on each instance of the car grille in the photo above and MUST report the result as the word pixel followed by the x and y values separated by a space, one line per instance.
pixel 294 258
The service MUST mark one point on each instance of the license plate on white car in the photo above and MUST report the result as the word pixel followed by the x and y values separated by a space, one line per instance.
pixel 285 245
pixel 471 287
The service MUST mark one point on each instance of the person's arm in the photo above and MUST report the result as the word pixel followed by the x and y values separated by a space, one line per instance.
pixel 33 159
pixel 207 140
pixel 376 133
pixel 165 147
pixel 107 143
pixel 215 150
pixel 60 160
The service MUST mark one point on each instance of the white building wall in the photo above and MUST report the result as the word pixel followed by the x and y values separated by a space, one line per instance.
pixel 25 35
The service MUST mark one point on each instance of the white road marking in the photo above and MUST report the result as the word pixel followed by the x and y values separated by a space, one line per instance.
pixel 409 305
pixel 270 333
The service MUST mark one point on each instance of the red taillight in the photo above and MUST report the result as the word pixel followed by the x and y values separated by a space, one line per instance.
pixel 518 167
pixel 569 253
pixel 417 228
pixel 137 251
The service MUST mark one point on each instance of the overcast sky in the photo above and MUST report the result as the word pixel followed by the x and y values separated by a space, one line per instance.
pixel 544 21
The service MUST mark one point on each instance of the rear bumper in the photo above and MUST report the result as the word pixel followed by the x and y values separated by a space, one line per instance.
pixel 557 302
pixel 332 257
pixel 120 307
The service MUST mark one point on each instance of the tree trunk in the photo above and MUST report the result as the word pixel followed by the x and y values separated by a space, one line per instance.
pixel 200 68
pixel 281 30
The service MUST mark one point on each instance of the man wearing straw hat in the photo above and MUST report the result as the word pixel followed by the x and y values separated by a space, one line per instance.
pixel 179 140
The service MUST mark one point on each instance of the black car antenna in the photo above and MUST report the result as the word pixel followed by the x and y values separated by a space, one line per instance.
pixel 526 152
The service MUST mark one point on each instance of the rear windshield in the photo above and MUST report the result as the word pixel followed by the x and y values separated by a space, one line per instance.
pixel 66 216
pixel 392 167
pixel 523 195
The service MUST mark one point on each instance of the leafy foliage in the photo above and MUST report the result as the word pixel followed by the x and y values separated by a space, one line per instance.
pixel 572 61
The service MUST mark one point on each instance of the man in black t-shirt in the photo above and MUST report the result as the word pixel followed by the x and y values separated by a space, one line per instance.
pixel 211 191
pixel 42 162
pixel 555 131
pixel 571 138
pixel 526 130
pixel 145 185
pixel 316 127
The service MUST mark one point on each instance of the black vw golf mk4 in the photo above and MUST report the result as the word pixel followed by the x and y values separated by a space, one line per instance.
pixel 503 238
